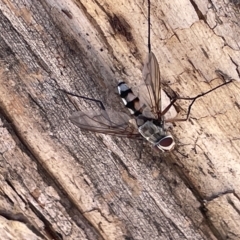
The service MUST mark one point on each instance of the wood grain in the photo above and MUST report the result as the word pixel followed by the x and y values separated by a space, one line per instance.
pixel 69 184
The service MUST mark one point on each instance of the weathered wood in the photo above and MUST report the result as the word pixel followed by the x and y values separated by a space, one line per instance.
pixel 60 183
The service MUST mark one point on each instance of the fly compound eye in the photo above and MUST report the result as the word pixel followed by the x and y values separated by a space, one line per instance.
pixel 166 143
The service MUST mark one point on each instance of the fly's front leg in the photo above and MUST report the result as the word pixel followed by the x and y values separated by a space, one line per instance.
pixel 171 104
pixel 222 75
pixel 168 107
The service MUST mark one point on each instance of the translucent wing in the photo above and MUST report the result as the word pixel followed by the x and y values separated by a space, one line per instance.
pixel 106 121
pixel 150 91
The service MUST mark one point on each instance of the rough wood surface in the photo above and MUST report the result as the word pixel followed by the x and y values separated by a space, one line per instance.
pixel 58 182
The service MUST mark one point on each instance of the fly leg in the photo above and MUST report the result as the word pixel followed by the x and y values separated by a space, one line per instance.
pixel 224 76
pixel 86 98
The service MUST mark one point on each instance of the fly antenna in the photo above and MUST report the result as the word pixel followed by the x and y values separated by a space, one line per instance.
pixel 149 28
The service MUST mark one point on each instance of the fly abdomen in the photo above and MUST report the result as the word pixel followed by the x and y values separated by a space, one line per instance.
pixel 130 100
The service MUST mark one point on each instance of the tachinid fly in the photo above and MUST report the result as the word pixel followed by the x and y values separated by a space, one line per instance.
pixel 146 107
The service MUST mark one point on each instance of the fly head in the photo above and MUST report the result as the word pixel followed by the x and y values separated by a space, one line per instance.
pixel 156 135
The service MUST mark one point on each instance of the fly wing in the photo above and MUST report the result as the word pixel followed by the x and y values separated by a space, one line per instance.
pixel 150 91
pixel 107 122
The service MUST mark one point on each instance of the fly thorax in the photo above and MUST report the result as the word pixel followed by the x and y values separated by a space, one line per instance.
pixel 151 132
pixel 140 120
pixel 130 100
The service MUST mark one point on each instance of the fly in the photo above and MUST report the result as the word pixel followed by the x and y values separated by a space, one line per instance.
pixel 148 117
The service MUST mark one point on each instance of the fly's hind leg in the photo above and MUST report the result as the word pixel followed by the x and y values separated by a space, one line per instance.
pixel 86 98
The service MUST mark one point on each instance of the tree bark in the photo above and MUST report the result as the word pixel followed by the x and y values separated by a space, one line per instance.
pixel 58 182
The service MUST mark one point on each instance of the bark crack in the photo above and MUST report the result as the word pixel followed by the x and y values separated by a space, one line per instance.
pixel 237 70
pixel 197 10
pixel 21 218
pixel 96 209
pixel 217 195
pixel 48 226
